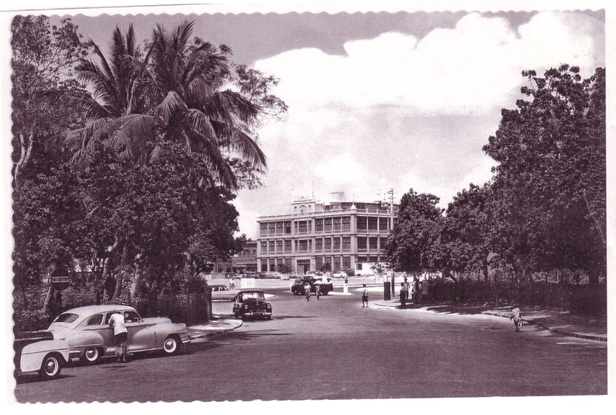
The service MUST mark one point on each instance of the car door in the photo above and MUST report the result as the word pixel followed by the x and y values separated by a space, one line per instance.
pixel 96 323
pixel 140 335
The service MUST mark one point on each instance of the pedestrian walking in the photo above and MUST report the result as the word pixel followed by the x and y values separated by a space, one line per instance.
pixel 307 289
pixel 232 283
pixel 364 297
pixel 416 290
pixel 317 291
pixel 516 316
pixel 120 335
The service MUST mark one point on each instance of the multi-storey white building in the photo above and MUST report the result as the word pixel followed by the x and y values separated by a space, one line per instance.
pixel 345 235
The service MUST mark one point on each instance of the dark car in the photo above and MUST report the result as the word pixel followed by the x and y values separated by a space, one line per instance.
pixel 252 304
pixel 298 286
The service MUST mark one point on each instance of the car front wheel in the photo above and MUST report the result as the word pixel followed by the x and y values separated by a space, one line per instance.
pixel 171 345
pixel 51 367
pixel 91 355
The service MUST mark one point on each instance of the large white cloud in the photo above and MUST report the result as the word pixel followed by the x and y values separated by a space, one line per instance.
pixel 403 112
pixel 471 67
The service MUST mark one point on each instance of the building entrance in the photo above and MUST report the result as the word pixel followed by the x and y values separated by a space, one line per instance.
pixel 303 266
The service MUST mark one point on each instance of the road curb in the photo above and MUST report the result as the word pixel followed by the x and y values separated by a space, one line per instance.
pixel 557 331
pixel 543 326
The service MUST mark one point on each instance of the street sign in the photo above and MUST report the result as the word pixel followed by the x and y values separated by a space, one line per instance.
pixel 60 279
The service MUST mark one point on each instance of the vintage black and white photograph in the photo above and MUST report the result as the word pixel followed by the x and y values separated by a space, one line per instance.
pixel 237 204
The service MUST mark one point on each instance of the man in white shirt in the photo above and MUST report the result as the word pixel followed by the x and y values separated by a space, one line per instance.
pixel 120 335
pixel 516 316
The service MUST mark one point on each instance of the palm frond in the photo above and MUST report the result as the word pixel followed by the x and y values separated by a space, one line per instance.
pixel 200 125
pixel 170 105
pixel 231 108
pixel 248 149
pixel 130 135
pixel 218 164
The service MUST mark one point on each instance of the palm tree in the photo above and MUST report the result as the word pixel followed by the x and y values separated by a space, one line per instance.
pixel 196 106
pixel 117 83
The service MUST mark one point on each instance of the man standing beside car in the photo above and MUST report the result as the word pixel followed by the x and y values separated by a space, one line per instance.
pixel 120 335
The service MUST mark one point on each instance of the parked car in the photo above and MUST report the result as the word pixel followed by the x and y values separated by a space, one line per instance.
pixel 90 337
pixel 221 292
pixel 38 352
pixel 325 283
pixel 340 274
pixel 251 304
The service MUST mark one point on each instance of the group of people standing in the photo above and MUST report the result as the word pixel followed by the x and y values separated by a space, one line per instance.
pixel 415 291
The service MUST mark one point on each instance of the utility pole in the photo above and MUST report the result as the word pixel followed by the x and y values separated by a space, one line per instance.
pixel 391 227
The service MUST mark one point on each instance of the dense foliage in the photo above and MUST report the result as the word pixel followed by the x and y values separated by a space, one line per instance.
pixel 125 167
pixel 543 213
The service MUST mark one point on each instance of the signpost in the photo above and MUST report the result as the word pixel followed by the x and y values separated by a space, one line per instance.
pixel 60 279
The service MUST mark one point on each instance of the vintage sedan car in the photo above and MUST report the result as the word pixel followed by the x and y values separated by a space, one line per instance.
pixel 90 337
pixel 38 352
pixel 221 292
pixel 252 304
pixel 340 274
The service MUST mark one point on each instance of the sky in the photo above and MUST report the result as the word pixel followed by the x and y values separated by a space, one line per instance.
pixel 381 101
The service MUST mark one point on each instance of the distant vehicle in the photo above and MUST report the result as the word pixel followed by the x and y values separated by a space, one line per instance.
pixel 325 283
pixel 221 292
pixel 275 275
pixel 38 352
pixel 251 304
pixel 90 337
pixel 340 274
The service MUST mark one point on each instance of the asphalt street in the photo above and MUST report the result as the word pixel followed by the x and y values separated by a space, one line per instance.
pixel 335 349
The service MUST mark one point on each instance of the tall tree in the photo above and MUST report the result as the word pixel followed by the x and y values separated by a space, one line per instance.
pixel 118 83
pixel 42 60
pixel 465 235
pixel 413 239
pixel 194 101
pixel 550 182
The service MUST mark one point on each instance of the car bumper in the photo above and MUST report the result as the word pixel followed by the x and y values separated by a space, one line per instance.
pixel 256 313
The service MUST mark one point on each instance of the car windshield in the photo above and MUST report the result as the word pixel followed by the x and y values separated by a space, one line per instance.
pixel 66 318
pixel 255 295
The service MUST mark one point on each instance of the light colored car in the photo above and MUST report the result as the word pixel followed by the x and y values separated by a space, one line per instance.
pixel 221 292
pixel 90 337
pixel 340 274
pixel 38 352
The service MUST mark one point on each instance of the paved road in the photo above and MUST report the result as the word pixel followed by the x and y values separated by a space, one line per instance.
pixel 335 349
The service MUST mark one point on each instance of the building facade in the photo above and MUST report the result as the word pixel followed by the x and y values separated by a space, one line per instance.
pixel 246 261
pixel 345 235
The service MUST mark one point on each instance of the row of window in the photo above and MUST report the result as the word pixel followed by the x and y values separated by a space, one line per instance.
pixel 323 225
pixel 336 263
pixel 248 253
pixel 333 244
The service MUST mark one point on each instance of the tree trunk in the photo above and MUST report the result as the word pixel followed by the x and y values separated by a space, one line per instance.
pixel 598 225
pixel 48 298
pixel 120 275
pixel 24 156
pixel 136 280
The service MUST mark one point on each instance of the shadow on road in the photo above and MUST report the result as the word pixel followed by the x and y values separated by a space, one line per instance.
pixel 292 317
pixel 34 378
